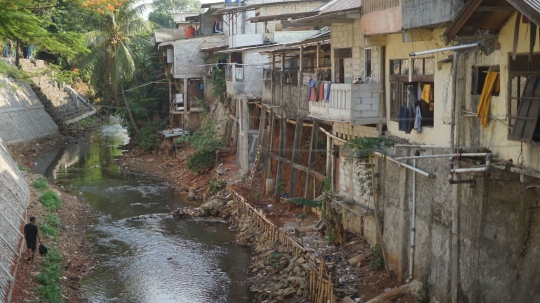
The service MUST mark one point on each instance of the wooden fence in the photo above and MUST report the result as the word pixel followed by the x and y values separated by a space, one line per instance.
pixel 321 288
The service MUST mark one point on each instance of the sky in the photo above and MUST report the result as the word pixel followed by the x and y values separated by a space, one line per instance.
pixel 145 15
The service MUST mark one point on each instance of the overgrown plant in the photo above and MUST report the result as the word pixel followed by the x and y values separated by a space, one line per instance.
pixel 49 278
pixel 219 82
pixel 207 141
pixel 41 183
pixel 50 200
pixel 215 185
pixel 363 150
pixel 424 292
pixel 378 260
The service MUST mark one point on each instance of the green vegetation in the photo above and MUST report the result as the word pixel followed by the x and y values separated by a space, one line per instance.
pixel 362 155
pixel 378 260
pixel 13 72
pixel 216 185
pixel 48 230
pixel 207 141
pixel 41 183
pixel 424 292
pixel 163 10
pixel 219 83
pixel 148 138
pixel 49 278
pixel 53 220
pixel 50 200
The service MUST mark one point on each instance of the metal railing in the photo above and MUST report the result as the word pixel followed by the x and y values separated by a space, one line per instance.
pixel 14 195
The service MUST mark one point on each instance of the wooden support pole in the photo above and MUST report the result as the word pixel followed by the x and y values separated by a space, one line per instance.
pixel 309 194
pixel 295 155
pixel 270 142
pixel 318 55
pixel 282 142
pixel 282 62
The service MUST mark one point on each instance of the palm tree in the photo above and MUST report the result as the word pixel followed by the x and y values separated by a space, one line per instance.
pixel 113 60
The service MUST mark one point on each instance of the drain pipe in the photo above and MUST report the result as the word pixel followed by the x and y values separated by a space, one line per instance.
pixel 458 155
pixel 413 227
pixel 474 169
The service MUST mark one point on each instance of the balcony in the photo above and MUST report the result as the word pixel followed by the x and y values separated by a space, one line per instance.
pixel 358 104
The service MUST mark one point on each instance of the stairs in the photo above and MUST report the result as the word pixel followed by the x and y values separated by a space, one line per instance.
pixel 254 169
pixel 63 104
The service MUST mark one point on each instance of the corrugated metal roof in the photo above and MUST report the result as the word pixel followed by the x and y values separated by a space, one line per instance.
pixel 341 5
pixel 529 8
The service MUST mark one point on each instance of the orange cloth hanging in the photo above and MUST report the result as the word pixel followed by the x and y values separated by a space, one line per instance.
pixel 490 85
pixel 427 96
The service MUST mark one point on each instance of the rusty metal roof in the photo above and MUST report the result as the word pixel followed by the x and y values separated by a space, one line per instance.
pixel 341 5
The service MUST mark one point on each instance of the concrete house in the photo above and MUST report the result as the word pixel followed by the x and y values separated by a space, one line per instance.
pixel 187 63
pixel 253 26
pixel 459 195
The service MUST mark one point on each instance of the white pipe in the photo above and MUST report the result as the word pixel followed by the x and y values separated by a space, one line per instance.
pixel 420 146
pixel 469 170
pixel 413 227
pixel 412 54
pixel 423 173
pixel 444 156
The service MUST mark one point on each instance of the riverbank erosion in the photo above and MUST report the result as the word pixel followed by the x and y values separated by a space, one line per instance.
pixel 293 263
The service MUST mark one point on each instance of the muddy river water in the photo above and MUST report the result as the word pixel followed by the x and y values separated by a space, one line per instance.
pixel 150 261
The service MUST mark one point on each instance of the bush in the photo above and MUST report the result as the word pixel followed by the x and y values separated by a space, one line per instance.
pixel 148 137
pixel 50 200
pixel 53 220
pixel 207 141
pixel 378 260
pixel 201 160
pixel 49 278
pixel 41 183
pixel 424 292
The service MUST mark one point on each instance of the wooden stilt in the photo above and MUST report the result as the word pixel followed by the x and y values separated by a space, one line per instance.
pixel 311 162
pixel 295 155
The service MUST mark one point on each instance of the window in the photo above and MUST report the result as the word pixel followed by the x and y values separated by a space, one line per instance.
pixel 398 98
pixel 479 74
pixel 367 61
pixel 524 99
pixel 422 82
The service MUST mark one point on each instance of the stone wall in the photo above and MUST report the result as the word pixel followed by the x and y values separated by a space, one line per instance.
pixel 493 243
pixel 22 116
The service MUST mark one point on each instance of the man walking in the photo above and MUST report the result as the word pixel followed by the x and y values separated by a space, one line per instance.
pixel 31 235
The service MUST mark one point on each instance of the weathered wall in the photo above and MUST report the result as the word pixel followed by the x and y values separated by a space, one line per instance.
pixel 346 35
pixel 188 60
pixel 419 13
pixel 494 136
pixel 382 21
pixel 281 8
pixel 22 116
pixel 14 195
pixel 495 238
pixel 440 133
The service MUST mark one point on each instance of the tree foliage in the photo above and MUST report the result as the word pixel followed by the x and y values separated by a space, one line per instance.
pixel 27 22
pixel 163 10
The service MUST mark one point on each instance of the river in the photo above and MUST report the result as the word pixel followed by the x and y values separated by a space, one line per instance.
pixel 150 261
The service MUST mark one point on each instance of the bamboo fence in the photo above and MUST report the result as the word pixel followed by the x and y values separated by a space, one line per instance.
pixel 321 287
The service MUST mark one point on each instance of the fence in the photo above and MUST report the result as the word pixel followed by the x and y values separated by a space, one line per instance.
pixel 14 195
pixel 321 288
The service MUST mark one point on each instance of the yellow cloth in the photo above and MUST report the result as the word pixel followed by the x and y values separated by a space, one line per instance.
pixel 426 93
pixel 490 85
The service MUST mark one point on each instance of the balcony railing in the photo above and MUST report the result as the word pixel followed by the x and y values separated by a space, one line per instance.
pixel 358 104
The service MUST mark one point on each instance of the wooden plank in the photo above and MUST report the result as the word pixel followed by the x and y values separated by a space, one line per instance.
pixel 295 155
pixel 311 162
pixel 312 173
pixel 282 144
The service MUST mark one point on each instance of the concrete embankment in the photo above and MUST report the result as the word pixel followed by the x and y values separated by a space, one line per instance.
pixel 22 115
pixel 14 195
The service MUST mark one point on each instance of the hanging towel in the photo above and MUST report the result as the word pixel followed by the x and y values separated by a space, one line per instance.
pixel 426 93
pixel 418 120
pixel 321 91
pixel 328 92
pixel 311 91
pixel 485 99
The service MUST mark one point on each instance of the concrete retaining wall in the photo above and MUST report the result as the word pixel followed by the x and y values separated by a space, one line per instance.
pixel 14 195
pixel 22 116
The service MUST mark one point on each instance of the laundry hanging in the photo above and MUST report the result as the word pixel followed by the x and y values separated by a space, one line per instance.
pixel 418 119
pixel 311 90
pixel 490 84
pixel 321 91
pixel 328 92
pixel 426 93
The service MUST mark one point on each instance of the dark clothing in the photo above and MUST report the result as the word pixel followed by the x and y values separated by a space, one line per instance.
pixel 31 246
pixel 403 118
pixel 30 234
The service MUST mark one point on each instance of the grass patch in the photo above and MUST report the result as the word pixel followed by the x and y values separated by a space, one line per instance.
pixel 50 200
pixel 13 72
pixel 87 122
pixel 49 278
pixel 53 220
pixel 48 230
pixel 41 183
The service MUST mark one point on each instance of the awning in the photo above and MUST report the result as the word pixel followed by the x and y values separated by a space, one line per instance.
pixel 173 132
pixel 281 16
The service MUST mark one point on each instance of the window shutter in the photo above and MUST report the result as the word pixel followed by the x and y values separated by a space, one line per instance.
pixel 529 109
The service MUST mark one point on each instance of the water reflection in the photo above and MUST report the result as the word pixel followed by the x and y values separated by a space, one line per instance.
pixel 156 260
